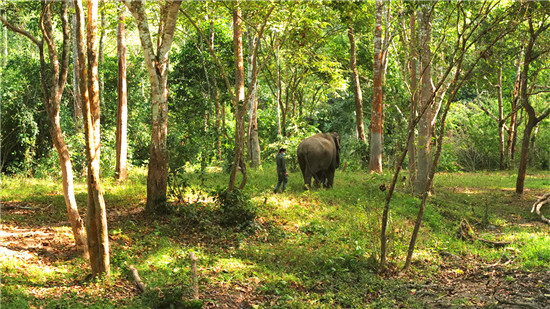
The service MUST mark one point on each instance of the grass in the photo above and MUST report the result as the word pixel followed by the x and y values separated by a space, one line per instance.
pixel 313 249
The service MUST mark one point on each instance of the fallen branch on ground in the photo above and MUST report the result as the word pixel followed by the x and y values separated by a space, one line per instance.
pixel 495 244
pixel 137 279
pixel 545 199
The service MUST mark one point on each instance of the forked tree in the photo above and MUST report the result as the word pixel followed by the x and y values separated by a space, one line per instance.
pixel 96 217
pixel 53 79
pixel 156 61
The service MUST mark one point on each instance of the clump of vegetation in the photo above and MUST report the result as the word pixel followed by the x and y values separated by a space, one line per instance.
pixel 236 208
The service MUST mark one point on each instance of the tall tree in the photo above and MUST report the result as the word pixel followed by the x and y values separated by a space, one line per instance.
pixel 53 80
pixel 157 67
pixel 532 52
pixel 253 138
pixel 122 99
pixel 96 217
pixel 379 69
pixel 356 85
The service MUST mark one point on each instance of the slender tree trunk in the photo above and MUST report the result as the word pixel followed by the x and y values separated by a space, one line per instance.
pixel 219 127
pixel 424 143
pixel 376 146
pixel 53 80
pixel 157 67
pixel 122 109
pixel 279 92
pixel 96 217
pixel 356 86
pixel 501 142
pixel 77 105
pixel 253 138
pixel 414 96
pixel 101 54
pixel 512 128
pixel 239 104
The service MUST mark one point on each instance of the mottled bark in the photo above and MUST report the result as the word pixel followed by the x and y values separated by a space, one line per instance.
pixel 424 142
pixel 53 80
pixel 96 217
pixel 240 110
pixel 376 145
pixel 122 108
pixel 253 138
pixel 157 68
pixel 414 95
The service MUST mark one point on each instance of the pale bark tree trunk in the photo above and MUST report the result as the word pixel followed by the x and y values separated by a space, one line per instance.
pixel 53 85
pixel 414 96
pixel 253 138
pixel 512 127
pixel 240 110
pixel 356 85
pixel 279 93
pixel 157 67
pixel 102 54
pixel 122 109
pixel 501 141
pixel 96 217
pixel 77 105
pixel 424 142
pixel 219 127
pixel 376 127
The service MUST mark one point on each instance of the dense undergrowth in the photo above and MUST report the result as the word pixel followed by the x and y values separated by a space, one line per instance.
pixel 313 249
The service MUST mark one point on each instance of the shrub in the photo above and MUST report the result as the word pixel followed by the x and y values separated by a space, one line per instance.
pixel 236 208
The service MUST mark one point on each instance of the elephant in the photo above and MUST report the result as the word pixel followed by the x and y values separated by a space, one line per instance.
pixel 319 157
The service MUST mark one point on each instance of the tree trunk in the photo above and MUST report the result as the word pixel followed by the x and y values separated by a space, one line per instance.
pixel 96 217
pixel 157 68
pixel 102 54
pixel 122 108
pixel 53 80
pixel 424 143
pixel 77 105
pixel 414 96
pixel 240 109
pixel 279 93
pixel 376 146
pixel 253 138
pixel 356 86
pixel 220 108
pixel 512 128
pixel 501 142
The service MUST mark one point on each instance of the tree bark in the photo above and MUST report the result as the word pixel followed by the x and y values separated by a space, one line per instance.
pixel 240 110
pixel 96 217
pixel 157 68
pixel 356 85
pixel 122 109
pixel 53 85
pixel 414 96
pixel 253 138
pixel 424 142
pixel 532 121
pixel 376 145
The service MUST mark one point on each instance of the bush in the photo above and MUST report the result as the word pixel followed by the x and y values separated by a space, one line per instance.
pixel 236 208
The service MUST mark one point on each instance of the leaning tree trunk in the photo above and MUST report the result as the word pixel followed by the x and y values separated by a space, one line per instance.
pixel 53 80
pixel 122 109
pixel 356 86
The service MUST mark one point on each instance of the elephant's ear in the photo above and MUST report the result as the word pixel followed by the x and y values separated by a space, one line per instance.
pixel 336 139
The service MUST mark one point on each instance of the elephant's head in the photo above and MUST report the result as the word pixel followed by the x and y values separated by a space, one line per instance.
pixel 336 139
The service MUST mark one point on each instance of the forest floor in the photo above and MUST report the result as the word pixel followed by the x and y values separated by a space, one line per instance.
pixel 39 262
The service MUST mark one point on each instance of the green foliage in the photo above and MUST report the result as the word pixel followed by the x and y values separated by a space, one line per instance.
pixel 237 210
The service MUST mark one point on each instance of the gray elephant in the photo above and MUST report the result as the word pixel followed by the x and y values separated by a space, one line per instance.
pixel 319 156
